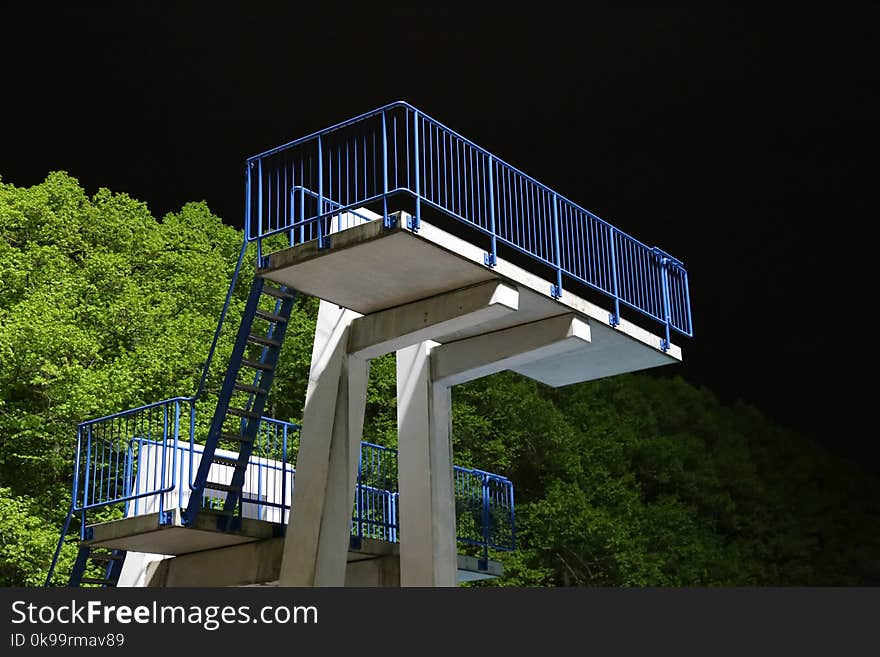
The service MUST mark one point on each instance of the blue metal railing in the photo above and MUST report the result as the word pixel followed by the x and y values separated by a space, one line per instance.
pixel 483 502
pixel 376 509
pixel 110 466
pixel 297 188
pixel 144 460
pixel 484 512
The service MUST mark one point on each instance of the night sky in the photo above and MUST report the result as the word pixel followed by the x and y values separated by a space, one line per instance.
pixel 743 143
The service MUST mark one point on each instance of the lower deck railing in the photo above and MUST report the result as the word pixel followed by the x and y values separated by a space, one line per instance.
pixel 144 461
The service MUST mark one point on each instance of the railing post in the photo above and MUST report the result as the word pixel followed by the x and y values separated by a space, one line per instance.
pixel 483 563
pixel 87 478
pixel 395 501
pixel 258 506
pixel 359 495
pixel 664 273
pixel 247 201
pixel 127 470
pixel 163 519
pixel 687 300
pixel 192 446
pixel 385 220
pixel 176 478
pixel 614 318
pixel 259 211
pixel 323 242
pixel 512 518
pixel 413 224
pixel 491 258
pixel 136 489
pixel 556 289
pixel 292 218
pixel 283 471
pixel 78 456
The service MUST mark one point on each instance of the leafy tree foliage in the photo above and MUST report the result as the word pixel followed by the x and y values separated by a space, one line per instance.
pixel 629 481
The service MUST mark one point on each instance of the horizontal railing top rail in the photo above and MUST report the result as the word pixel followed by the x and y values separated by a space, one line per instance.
pixel 132 411
pixel 397 148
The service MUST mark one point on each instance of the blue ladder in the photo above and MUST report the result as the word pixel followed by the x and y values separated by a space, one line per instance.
pixel 113 560
pixel 259 372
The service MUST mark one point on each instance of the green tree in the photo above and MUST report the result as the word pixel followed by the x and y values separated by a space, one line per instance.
pixel 630 481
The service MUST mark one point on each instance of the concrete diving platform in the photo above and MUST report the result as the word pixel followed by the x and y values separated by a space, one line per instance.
pixel 172 554
pixel 374 270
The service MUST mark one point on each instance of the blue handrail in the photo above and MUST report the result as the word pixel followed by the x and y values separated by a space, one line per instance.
pixel 105 462
pixel 397 149
pixel 144 460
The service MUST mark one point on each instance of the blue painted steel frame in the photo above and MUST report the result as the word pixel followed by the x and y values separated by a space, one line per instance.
pixel 101 458
pixel 441 169
pixel 88 462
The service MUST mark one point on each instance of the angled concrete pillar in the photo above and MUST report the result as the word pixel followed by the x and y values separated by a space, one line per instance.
pixel 428 555
pixel 316 544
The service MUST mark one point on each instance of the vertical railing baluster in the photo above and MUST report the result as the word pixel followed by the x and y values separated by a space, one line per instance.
pixel 396 163
pixel 288 189
pixel 259 210
pixel 664 272
pixel 247 201
pixel 556 290
pixel 164 462
pixel 415 224
pixel 76 466
pixel 484 564
pixel 614 319
pixel 491 258
pixel 283 471
pixel 302 200
pixel 86 481
pixel 320 220
pixel 385 221
pixel 359 499
pixel 174 481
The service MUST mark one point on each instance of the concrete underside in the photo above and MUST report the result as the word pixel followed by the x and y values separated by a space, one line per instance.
pixel 145 534
pixel 205 556
pixel 369 268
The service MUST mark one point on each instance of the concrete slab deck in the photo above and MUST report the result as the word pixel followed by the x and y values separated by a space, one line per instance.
pixel 205 556
pixel 369 268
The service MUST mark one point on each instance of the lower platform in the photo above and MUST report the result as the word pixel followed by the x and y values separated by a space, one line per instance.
pixel 175 555
pixel 144 533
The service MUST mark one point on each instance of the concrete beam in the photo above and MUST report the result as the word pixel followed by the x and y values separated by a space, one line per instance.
pixel 259 563
pixel 382 332
pixel 481 355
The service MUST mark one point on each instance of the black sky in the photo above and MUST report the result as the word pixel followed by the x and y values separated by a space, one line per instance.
pixel 744 143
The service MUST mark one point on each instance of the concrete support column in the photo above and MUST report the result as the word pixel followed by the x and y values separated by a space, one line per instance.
pixel 428 554
pixel 316 545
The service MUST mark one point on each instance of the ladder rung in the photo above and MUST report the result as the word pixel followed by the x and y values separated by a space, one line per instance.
pixel 278 293
pixel 262 339
pixel 257 365
pixel 270 317
pixel 95 580
pixel 236 437
pixel 254 390
pixel 225 460
pixel 224 487
pixel 240 412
